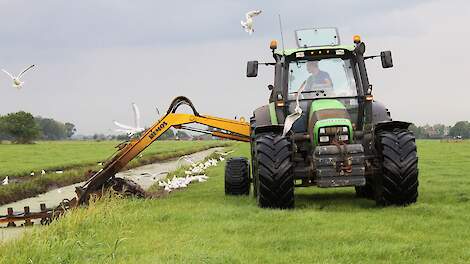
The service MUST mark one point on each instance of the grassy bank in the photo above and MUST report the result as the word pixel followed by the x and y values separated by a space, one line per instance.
pixel 201 224
pixel 77 172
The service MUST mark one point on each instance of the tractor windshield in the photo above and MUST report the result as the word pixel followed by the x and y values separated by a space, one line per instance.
pixel 332 77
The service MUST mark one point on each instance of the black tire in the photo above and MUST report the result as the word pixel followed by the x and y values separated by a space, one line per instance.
pixel 274 171
pixel 366 191
pixel 398 182
pixel 237 176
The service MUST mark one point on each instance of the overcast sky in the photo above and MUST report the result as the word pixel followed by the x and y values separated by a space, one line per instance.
pixel 96 57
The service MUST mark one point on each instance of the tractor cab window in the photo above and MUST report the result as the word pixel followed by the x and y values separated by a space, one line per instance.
pixel 331 77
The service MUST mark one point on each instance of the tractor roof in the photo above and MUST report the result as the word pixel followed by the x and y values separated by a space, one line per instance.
pixel 288 52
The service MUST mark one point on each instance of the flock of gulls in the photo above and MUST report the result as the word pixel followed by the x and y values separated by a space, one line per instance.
pixel 6 180
pixel 195 173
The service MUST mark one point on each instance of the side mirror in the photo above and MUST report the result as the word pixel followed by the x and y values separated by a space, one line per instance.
pixel 386 57
pixel 252 69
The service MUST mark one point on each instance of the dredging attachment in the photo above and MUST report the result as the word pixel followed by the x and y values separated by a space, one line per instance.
pixel 103 179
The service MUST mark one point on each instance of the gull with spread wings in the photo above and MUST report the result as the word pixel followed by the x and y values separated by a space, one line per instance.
pixel 248 24
pixel 17 83
pixel 128 129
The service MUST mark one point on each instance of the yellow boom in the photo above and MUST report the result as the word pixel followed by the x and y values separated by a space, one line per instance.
pixel 231 129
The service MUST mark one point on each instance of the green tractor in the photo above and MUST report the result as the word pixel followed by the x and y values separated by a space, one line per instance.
pixel 322 127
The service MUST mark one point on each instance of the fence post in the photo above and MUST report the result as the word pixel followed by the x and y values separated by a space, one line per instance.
pixel 27 221
pixel 45 218
pixel 10 214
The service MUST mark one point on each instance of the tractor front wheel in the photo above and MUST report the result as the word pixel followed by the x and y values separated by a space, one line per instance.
pixel 274 171
pixel 397 184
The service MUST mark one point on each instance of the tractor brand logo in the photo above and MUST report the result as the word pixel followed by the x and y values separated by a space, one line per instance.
pixel 160 127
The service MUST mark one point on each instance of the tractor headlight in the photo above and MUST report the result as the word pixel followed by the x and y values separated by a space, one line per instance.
pixel 331 134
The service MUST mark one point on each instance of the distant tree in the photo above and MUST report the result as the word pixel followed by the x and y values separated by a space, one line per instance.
pixel 70 129
pixel 461 128
pixel 21 127
pixel 3 134
pixel 413 128
pixel 169 134
pixel 51 129
pixel 182 135
pixel 418 131
pixel 122 137
pixel 439 130
pixel 99 137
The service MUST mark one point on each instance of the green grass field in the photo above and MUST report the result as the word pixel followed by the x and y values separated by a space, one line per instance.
pixel 202 225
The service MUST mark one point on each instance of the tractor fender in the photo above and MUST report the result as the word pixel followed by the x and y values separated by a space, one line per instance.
pixel 262 116
pixel 265 120
pixel 380 113
pixel 277 129
pixel 390 125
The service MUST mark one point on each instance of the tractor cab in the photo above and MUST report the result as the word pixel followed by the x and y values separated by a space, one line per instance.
pixel 320 67
pixel 318 73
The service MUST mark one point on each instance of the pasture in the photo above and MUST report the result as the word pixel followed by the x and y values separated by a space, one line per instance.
pixel 201 224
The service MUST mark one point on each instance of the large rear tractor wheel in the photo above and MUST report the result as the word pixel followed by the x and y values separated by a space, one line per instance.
pixel 274 171
pixel 398 182
pixel 237 176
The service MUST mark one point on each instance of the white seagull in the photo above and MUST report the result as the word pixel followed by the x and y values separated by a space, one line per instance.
pixel 128 129
pixel 290 119
pixel 187 159
pixel 5 181
pixel 248 24
pixel 17 83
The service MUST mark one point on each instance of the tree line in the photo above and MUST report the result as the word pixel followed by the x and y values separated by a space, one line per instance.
pixel 170 134
pixel 460 130
pixel 23 128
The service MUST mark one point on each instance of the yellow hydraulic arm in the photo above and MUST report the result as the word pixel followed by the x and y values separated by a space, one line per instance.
pixel 231 129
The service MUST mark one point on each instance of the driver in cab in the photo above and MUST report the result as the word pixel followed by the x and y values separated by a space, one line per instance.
pixel 318 79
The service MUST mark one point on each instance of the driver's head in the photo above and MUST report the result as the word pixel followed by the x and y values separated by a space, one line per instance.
pixel 312 67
